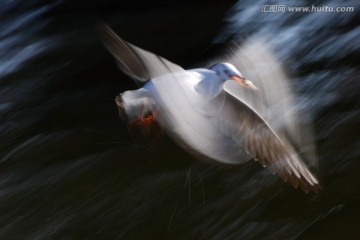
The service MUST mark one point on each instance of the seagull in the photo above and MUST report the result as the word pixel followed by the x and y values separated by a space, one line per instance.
pixel 213 113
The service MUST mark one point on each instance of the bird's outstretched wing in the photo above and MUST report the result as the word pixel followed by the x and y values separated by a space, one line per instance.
pixel 275 101
pixel 137 63
pixel 250 130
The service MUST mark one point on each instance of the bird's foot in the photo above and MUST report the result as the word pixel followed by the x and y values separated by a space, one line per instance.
pixel 148 126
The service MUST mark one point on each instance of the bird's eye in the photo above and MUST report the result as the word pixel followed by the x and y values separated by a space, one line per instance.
pixel 227 71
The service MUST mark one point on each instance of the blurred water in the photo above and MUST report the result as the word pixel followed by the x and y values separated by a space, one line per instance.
pixel 69 169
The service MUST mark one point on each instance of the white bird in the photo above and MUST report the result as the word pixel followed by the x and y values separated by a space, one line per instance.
pixel 214 114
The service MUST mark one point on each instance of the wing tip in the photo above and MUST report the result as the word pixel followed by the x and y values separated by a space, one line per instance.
pixel 308 186
pixel 297 181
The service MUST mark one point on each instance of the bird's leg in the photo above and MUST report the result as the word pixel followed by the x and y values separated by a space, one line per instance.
pixel 147 116
pixel 147 122
pixel 136 108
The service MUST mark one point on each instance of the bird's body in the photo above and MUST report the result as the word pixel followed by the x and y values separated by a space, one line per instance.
pixel 190 114
pixel 212 113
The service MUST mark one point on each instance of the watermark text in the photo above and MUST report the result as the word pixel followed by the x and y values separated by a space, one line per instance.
pixel 305 9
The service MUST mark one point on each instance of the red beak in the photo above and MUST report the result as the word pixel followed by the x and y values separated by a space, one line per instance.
pixel 243 82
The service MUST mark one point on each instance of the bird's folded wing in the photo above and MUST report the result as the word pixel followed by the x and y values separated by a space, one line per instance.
pixel 255 136
pixel 137 63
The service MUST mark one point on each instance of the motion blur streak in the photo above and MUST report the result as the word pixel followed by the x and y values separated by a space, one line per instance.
pixel 69 170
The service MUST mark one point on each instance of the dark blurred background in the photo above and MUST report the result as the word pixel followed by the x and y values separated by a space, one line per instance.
pixel 70 170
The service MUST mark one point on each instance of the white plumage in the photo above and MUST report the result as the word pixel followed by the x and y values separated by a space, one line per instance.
pixel 215 113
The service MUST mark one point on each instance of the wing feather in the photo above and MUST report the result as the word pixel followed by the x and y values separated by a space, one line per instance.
pixel 263 144
pixel 139 64
pixel 258 62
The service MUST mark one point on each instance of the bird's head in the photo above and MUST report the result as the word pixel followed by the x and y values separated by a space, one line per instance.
pixel 227 71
